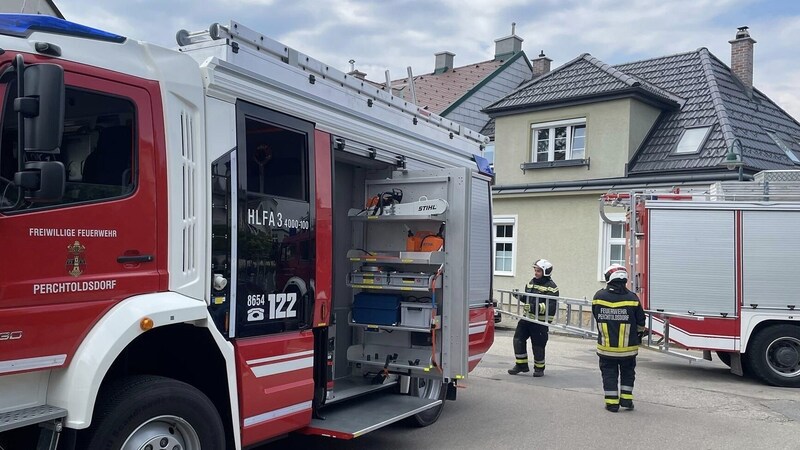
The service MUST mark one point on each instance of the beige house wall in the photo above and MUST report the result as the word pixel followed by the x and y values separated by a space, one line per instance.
pixel 642 119
pixel 614 130
pixel 565 227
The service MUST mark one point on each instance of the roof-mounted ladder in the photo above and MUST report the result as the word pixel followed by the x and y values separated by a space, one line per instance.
pixel 238 36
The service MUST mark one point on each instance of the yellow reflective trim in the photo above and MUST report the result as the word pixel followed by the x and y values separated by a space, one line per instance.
pixel 612 401
pixel 615 304
pixel 617 349
pixel 521 361
pixel 621 338
pixel 618 355
pixel 541 288
pixel 626 396
pixel 606 339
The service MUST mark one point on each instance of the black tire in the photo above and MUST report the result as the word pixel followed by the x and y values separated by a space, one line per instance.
pixel 148 409
pixel 430 389
pixel 773 355
pixel 725 357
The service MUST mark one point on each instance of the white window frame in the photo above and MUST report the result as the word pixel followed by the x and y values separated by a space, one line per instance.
pixel 605 242
pixel 505 220
pixel 570 124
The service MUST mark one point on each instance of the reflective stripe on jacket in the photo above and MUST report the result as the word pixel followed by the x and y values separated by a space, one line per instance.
pixel 620 317
pixel 545 307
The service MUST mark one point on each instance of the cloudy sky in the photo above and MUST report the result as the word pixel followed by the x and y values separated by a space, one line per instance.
pixel 395 34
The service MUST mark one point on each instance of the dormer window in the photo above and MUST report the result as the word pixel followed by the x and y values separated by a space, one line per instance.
pixel 559 141
pixel 692 140
pixel 779 142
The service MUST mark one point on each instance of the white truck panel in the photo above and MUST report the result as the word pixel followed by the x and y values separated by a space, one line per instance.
pixel 770 258
pixel 692 261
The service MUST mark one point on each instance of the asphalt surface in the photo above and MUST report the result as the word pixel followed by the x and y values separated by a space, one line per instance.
pixel 679 405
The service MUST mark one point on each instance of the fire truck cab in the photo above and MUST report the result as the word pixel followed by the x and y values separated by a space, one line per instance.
pixel 190 256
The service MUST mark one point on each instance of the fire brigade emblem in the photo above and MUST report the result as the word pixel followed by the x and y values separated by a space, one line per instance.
pixel 75 262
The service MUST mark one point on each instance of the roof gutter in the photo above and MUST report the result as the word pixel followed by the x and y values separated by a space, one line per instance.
pixel 609 182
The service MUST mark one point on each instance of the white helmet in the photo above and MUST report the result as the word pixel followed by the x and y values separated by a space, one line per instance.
pixel 616 272
pixel 545 265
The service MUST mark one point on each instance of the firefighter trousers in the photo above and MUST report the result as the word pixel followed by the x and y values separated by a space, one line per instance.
pixel 618 377
pixel 538 336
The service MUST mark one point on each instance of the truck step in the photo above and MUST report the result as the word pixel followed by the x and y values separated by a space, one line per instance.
pixel 30 416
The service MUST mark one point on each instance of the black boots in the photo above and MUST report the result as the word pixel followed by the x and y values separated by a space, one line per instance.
pixel 519 368
pixel 538 372
pixel 612 408
pixel 627 404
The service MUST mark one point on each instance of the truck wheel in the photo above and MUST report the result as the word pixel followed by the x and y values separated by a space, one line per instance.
pixel 430 389
pixel 144 412
pixel 774 355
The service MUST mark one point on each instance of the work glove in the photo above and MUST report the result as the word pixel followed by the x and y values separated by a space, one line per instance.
pixel 526 308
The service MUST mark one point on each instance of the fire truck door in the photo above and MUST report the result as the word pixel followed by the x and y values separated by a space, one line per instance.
pixel 64 263
pixel 273 280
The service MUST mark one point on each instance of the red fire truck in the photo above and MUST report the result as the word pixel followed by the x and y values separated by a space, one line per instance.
pixel 208 247
pixel 715 268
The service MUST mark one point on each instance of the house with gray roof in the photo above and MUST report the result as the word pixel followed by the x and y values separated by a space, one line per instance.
pixel 460 93
pixel 588 127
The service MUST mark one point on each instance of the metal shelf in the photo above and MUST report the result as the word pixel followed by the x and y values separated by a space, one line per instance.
pixel 426 258
pixel 398 218
pixel 395 327
pixel 372 287
pixel 392 366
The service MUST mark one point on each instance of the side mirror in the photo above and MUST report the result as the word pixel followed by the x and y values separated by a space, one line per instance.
pixel 42 181
pixel 42 105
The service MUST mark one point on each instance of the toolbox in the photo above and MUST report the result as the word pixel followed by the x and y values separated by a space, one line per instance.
pixel 373 278
pixel 410 279
pixel 415 314
pixel 376 309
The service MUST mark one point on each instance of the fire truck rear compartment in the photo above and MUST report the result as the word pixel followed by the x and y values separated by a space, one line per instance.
pixel 377 390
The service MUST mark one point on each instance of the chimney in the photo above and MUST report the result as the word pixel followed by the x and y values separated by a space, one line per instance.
pixel 444 62
pixel 541 65
pixel 508 46
pixel 742 58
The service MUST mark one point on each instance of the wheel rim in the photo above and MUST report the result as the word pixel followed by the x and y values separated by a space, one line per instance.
pixel 783 356
pixel 163 433
pixel 430 389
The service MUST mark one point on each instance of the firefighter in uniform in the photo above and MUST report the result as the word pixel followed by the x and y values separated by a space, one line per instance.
pixel 539 309
pixel 620 326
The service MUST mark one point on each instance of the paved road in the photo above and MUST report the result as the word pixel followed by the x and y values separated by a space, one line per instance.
pixel 678 405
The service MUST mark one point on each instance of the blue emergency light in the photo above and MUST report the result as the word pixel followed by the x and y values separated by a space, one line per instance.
pixel 22 25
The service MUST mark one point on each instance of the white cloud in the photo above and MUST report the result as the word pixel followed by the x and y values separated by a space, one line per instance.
pixel 393 34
